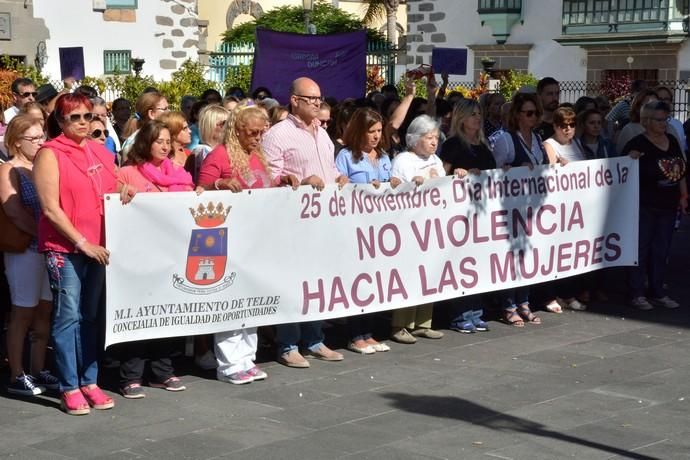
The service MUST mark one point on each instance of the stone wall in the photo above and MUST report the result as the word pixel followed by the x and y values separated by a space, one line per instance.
pixel 422 34
pixel 177 28
pixel 26 31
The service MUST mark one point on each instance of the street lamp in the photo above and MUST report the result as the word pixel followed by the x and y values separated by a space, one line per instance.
pixel 137 65
pixel 308 7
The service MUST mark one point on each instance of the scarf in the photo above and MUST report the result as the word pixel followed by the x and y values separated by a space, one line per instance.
pixel 175 179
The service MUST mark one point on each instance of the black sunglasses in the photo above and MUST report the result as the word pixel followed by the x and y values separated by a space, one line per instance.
pixel 97 133
pixel 27 94
pixel 529 113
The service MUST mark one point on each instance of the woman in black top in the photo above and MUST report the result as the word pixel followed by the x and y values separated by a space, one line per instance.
pixel 662 190
pixel 466 150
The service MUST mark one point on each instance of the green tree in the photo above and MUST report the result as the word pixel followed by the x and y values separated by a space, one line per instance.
pixel 513 80
pixel 327 19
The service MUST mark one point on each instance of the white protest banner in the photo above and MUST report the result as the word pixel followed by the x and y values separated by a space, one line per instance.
pixel 181 266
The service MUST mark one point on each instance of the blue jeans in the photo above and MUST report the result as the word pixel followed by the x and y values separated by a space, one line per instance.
pixel 461 305
pixel 77 282
pixel 656 231
pixel 511 298
pixel 289 335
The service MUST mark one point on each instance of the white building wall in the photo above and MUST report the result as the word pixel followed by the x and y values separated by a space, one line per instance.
pixel 462 27
pixel 80 25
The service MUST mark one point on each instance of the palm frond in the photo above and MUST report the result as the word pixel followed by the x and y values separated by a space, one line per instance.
pixel 374 10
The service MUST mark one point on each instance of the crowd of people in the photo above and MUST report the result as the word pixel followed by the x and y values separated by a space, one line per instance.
pixel 64 151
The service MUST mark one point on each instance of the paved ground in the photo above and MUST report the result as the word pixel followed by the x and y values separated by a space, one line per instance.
pixel 607 383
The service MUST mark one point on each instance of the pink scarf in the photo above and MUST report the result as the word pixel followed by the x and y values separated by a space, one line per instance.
pixel 172 177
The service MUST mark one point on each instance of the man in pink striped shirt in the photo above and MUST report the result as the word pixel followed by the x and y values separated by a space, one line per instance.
pixel 298 145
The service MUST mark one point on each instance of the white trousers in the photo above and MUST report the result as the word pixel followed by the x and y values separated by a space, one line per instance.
pixel 235 350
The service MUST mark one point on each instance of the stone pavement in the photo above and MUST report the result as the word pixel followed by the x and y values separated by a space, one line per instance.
pixel 607 383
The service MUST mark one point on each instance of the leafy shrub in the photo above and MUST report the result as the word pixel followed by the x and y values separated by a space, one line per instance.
pixel 327 19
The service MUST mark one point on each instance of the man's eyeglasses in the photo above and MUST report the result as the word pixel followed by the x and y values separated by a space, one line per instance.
pixel 76 117
pixel 96 133
pixel 34 140
pixel 310 99
pixel 33 94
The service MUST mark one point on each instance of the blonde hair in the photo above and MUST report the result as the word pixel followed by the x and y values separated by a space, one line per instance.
pixel 16 129
pixel 145 103
pixel 208 119
pixel 239 158
pixel 462 111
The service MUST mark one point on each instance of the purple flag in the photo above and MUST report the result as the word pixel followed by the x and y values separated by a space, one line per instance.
pixel 337 62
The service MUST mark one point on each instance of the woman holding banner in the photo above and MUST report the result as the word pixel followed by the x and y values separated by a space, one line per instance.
pixel 364 162
pixel 150 170
pixel 467 151
pixel 72 174
pixel 520 145
pixel 239 164
pixel 663 189
pixel 562 148
pixel 417 165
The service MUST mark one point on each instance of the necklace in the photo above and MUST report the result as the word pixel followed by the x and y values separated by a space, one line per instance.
pixel 93 171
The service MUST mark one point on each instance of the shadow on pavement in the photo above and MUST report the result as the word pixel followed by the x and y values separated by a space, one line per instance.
pixel 476 414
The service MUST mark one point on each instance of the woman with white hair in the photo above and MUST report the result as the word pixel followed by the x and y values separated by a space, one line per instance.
pixel 416 165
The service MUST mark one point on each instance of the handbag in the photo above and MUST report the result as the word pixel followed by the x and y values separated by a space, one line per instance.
pixel 12 239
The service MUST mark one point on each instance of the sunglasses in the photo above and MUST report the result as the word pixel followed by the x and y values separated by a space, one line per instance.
pixel 567 125
pixel 98 132
pixel 27 94
pixel 529 113
pixel 76 117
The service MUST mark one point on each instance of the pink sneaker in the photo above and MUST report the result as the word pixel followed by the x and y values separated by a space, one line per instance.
pixel 238 378
pixel 257 374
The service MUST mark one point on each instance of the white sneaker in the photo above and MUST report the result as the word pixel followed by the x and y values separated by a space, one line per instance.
pixel 641 303
pixel 665 302
pixel 207 361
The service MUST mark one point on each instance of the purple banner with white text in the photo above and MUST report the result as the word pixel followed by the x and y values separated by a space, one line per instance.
pixel 337 62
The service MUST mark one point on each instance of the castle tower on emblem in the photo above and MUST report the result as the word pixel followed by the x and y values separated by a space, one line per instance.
pixel 208 246
pixel 205 270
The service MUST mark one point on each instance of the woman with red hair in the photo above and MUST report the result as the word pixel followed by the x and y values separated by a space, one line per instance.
pixel 72 174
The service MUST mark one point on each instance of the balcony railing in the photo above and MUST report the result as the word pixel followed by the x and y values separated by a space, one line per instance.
pixel 613 12
pixel 499 6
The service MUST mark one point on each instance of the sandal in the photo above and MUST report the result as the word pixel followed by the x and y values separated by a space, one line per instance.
pixel 554 307
pixel 96 398
pixel 526 314
pixel 512 318
pixel 73 403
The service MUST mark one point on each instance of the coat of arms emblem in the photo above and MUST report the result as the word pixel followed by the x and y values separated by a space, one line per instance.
pixel 208 252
